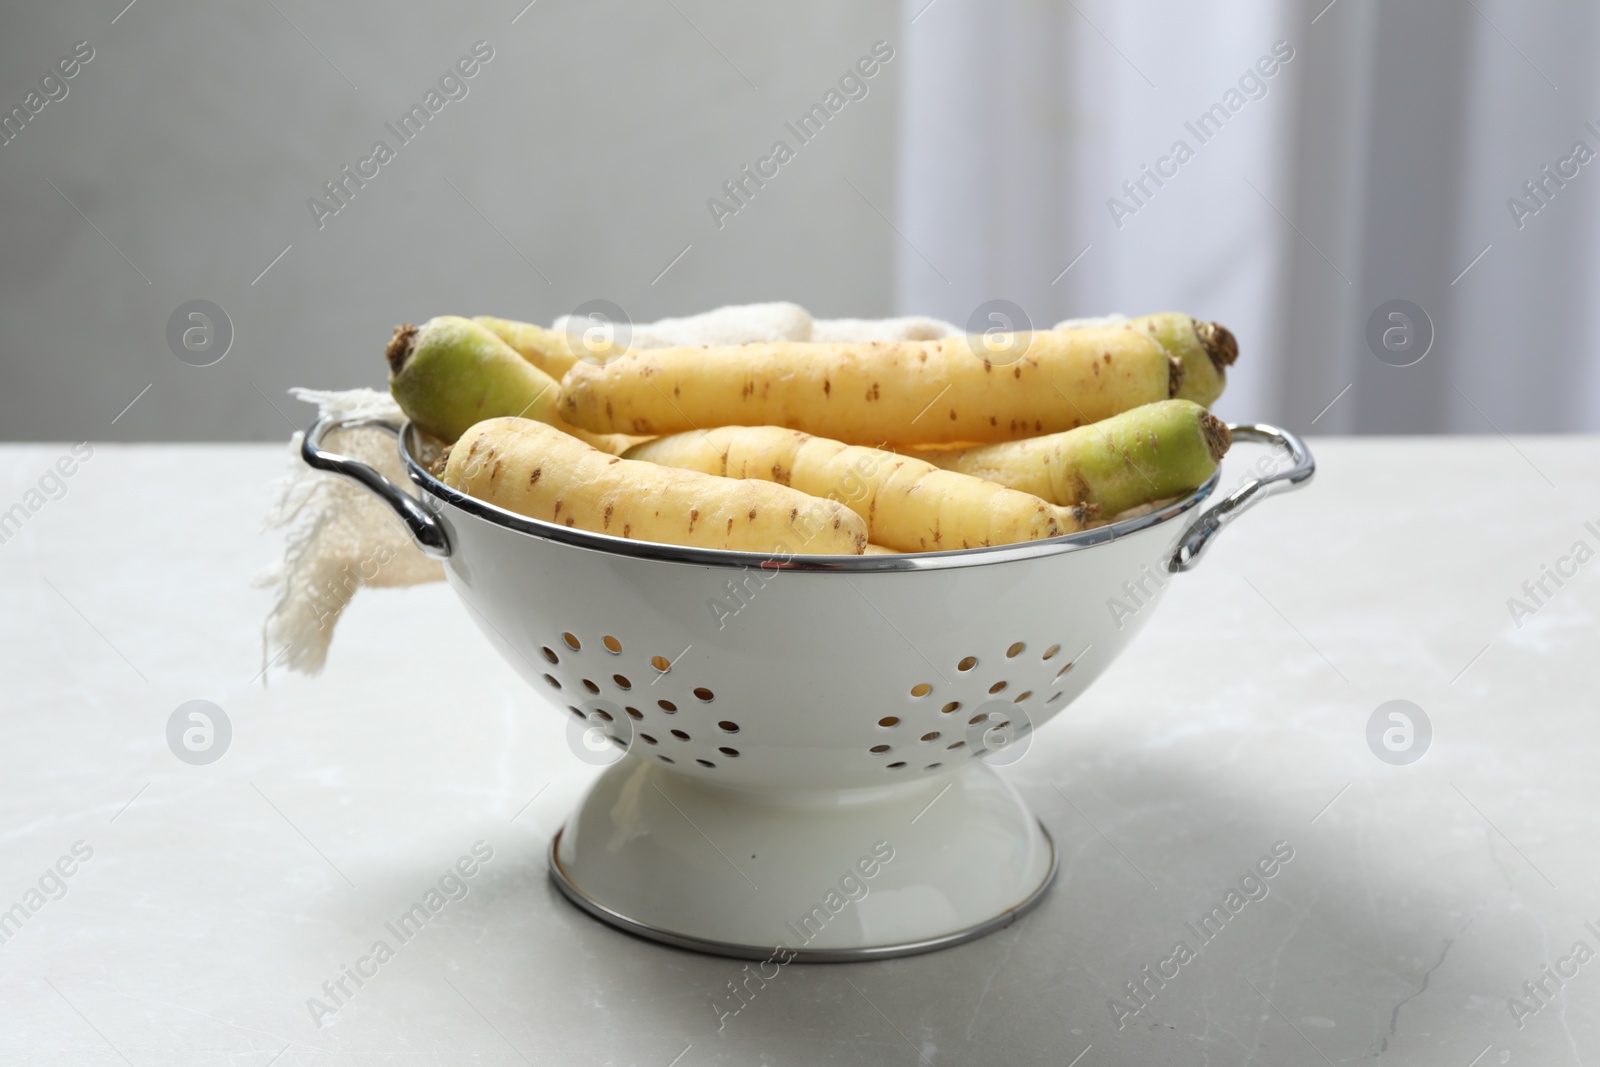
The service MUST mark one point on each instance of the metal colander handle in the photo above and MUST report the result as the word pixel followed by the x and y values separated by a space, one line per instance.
pixel 1199 536
pixel 425 528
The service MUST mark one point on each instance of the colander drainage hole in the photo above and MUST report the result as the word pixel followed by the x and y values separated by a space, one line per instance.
pixel 976 719
pixel 878 748
pixel 622 683
pixel 728 727
pixel 604 714
pixel 575 711
pixel 680 735
pixel 666 759
pixel 550 654
pixel 933 766
pixel 552 680
pixel 888 721
pixel 613 646
pixel 590 686
pixel 1064 670
pixel 921 689
pixel 572 642
pixel 895 766
pixel 1015 650
pixel 1055 698
pixel 661 663
pixel 728 751
pixel 1020 697
pixel 647 739
pixel 931 736
pixel 704 695
pixel 634 713
pixel 953 706
pixel 955 745
pixel 1050 653
pixel 997 687
pixel 705 763
pixel 967 664
pixel 667 706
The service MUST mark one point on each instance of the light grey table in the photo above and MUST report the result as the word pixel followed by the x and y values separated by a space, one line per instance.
pixel 219 898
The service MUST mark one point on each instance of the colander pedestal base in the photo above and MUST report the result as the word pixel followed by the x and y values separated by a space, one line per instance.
pixel 822 876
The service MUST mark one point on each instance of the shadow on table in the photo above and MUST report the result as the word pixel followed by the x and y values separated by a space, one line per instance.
pixel 1337 940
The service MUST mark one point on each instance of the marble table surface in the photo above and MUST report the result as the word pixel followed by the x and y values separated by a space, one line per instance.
pixel 183 914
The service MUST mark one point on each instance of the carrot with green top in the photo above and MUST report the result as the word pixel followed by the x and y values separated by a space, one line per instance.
pixel 947 391
pixel 1206 350
pixel 452 372
pixel 1151 453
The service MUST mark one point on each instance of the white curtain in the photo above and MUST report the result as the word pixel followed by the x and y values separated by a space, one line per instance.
pixel 1372 164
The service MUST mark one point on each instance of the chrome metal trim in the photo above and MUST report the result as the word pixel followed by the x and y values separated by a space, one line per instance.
pixel 717 557
pixel 1199 536
pixel 425 528
pixel 570 890
pixel 432 535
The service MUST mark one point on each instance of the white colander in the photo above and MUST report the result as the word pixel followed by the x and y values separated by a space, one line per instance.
pixel 804 750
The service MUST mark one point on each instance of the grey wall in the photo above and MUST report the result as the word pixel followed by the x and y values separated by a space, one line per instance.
pixel 1416 124
pixel 591 141
pixel 1379 167
pixel 1375 167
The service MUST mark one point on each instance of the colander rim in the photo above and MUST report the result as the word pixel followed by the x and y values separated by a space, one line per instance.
pixel 720 557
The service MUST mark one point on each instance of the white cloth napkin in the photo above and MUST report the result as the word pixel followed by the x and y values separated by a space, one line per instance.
pixel 339 538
